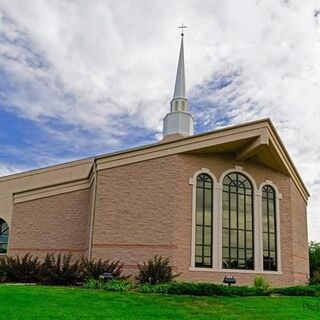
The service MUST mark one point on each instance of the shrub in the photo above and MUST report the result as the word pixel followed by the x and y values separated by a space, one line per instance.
pixel 150 288
pixel 202 289
pixel 118 285
pixel 315 279
pixel 296 291
pixel 91 269
pixel 155 271
pixel 261 282
pixel 113 285
pixel 59 270
pixel 93 284
pixel 16 269
pixel 314 257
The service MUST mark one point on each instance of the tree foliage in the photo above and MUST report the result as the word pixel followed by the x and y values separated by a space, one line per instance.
pixel 314 257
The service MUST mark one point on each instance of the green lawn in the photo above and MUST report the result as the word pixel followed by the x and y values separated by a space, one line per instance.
pixel 36 302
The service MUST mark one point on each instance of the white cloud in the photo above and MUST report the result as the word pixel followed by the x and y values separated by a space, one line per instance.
pixel 88 63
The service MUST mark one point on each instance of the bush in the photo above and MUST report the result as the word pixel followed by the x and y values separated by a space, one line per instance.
pixel 295 291
pixel 261 282
pixel 118 285
pixel 314 257
pixel 315 279
pixel 202 289
pixel 93 284
pixel 155 271
pixel 113 285
pixel 91 269
pixel 16 269
pixel 59 270
pixel 150 288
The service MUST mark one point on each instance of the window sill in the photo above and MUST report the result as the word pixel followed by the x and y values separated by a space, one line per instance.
pixel 235 271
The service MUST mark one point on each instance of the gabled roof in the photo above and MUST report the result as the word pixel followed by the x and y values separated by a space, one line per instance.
pixel 254 140
pixel 258 140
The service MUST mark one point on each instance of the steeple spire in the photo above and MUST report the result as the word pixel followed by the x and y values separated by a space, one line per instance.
pixel 180 86
pixel 179 121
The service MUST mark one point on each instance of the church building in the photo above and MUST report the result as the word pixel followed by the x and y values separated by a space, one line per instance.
pixel 228 202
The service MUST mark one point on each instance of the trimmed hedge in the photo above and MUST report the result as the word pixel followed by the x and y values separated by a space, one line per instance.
pixel 201 289
pixel 296 291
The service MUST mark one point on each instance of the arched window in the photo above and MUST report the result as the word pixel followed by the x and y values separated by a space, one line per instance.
pixel 204 212
pixel 4 235
pixel 237 232
pixel 269 228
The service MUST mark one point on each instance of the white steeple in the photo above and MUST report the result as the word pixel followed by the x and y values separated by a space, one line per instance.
pixel 180 86
pixel 179 121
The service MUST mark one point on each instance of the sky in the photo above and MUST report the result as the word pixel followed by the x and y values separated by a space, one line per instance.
pixel 82 78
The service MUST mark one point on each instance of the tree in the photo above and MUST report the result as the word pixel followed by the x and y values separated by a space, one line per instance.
pixel 314 257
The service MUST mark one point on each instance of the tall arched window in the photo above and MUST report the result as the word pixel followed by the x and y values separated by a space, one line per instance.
pixel 204 212
pixel 4 235
pixel 269 228
pixel 237 242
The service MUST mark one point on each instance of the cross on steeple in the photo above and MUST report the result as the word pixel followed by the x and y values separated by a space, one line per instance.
pixel 182 27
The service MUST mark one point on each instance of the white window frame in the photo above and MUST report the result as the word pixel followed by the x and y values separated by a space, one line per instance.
pixel 278 234
pixel 217 223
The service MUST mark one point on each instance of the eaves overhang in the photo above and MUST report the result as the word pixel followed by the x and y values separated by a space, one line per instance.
pixel 256 140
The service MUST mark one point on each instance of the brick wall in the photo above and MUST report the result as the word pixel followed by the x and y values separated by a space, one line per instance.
pixel 145 209
pixel 53 224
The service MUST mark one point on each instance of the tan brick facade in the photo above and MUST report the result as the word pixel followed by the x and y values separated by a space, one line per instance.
pixel 132 206
pixel 145 209
pixel 53 224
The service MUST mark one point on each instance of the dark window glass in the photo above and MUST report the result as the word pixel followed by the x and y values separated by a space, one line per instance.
pixel 4 235
pixel 269 229
pixel 237 225
pixel 204 211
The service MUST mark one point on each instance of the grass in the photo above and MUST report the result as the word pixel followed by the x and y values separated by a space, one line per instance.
pixel 36 302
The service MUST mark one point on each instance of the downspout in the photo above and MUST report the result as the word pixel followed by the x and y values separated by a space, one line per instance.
pixel 93 209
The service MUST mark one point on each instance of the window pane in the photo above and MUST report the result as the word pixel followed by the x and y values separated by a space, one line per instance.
pixel 207 251
pixel 207 217
pixel 272 242
pixel 199 199
pixel 249 220
pixel 265 241
pixel 225 252
pixel 198 250
pixel 271 223
pixel 241 253
pixel 264 223
pixel 199 218
pixel 233 253
pixel 207 236
pixel 271 206
pixel 233 221
pixel 233 240
pixel 241 239
pixel 241 220
pixel 233 202
pixel 225 221
pixel 225 237
pixel 249 240
pixel 207 197
pixel 198 234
